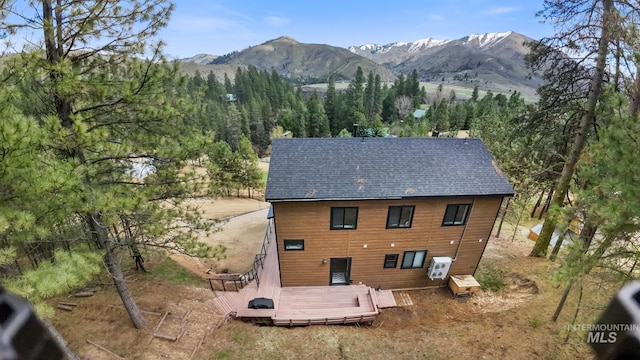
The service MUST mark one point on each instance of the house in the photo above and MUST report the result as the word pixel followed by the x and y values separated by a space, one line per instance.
pixel 386 212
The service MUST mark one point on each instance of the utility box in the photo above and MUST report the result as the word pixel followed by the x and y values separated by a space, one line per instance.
pixel 463 285
pixel 439 267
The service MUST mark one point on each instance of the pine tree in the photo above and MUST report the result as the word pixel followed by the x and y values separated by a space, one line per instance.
pixel 586 122
pixel 249 175
pixel 355 99
pixel 413 88
pixel 377 96
pixel 104 110
pixel 369 98
pixel 475 94
pixel 330 106
pixel 317 122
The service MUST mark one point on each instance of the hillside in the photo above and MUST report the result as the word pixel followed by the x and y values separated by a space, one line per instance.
pixel 291 58
pixel 490 61
pixel 189 68
pixel 200 59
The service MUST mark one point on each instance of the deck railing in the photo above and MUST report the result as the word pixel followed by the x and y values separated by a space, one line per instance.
pixel 239 281
pixel 225 282
pixel 259 259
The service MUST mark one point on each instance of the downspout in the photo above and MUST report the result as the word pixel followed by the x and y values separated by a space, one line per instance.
pixel 463 231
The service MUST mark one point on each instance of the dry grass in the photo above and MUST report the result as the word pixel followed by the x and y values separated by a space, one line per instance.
pixel 511 323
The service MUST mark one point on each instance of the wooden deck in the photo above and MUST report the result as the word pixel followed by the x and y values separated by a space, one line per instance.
pixel 304 305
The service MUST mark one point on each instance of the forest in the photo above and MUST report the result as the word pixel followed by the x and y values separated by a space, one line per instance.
pixel 97 98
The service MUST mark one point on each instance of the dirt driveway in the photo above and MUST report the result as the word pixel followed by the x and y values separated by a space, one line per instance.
pixel 241 230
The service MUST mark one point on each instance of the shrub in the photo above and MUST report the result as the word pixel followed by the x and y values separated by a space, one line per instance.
pixel 490 278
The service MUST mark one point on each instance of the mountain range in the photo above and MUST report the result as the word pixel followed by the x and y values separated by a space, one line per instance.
pixel 491 61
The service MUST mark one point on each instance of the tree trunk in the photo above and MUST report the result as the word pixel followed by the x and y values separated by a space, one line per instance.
pixel 515 229
pixel 53 41
pixel 538 202
pixel 580 138
pixel 633 267
pixel 58 339
pixel 547 204
pixel 556 248
pixel 575 315
pixel 563 299
pixel 635 95
pixel 99 231
pixel 504 214
pixel 587 233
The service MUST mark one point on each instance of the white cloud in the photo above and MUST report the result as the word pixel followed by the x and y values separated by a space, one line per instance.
pixel 276 21
pixel 499 10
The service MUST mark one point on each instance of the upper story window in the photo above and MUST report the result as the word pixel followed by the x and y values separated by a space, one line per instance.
pixel 400 216
pixel 344 218
pixel 456 214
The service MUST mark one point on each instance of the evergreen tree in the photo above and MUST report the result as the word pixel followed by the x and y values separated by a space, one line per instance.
pixel 104 110
pixel 234 126
pixel 400 86
pixel 389 109
pixel 355 99
pixel 249 176
pixel 413 88
pixel 317 122
pixel 377 96
pixel 369 98
pixel 224 168
pixel 331 106
pixel 587 119
pixel 475 94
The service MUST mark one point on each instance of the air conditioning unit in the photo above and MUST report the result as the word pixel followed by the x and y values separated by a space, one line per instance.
pixel 439 267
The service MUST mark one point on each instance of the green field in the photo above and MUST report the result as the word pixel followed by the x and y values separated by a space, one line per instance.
pixel 462 92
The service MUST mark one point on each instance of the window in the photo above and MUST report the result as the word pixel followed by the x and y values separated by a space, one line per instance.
pixel 400 217
pixel 295 244
pixel 344 218
pixel 456 214
pixel 390 261
pixel 413 259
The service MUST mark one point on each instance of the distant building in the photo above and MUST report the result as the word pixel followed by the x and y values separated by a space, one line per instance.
pixel 569 236
pixel 419 114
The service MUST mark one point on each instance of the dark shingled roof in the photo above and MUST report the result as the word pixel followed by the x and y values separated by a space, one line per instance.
pixel 381 168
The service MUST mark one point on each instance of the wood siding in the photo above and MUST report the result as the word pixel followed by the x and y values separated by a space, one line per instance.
pixel 371 241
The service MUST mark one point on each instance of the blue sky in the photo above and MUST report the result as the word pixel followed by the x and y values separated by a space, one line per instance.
pixel 221 26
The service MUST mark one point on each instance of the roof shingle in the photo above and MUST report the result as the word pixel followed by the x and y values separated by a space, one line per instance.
pixel 381 168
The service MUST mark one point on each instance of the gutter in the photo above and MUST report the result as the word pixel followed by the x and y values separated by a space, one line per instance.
pixel 474 196
pixel 463 232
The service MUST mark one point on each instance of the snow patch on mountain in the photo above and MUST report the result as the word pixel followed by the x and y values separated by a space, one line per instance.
pixel 425 44
pixel 375 48
pixel 484 40
pixel 488 39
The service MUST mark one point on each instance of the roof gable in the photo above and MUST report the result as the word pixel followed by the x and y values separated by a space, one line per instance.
pixel 381 168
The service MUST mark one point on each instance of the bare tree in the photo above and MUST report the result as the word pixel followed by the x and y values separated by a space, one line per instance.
pixel 404 104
